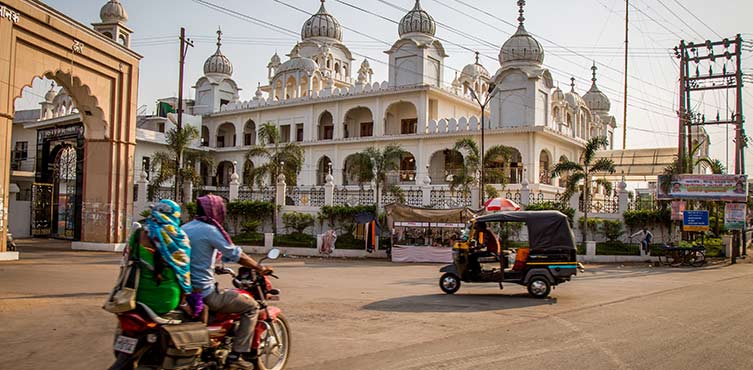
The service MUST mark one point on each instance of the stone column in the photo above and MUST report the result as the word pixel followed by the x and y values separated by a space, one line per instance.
pixel 234 183
pixel 188 191
pixel 329 189
pixel 426 189
pixel 525 192
pixel 281 190
pixel 474 197
pixel 623 194
pixel 142 201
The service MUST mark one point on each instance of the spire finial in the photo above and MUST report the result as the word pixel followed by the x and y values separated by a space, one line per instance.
pixel 593 71
pixel 521 18
pixel 477 54
pixel 219 37
pixel 418 5
pixel 572 84
pixel 321 8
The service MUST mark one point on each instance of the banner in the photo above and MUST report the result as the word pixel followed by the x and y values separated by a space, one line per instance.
pixel 695 221
pixel 734 216
pixel 678 207
pixel 731 188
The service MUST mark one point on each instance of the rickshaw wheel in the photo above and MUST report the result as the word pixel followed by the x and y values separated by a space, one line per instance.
pixel 539 287
pixel 449 283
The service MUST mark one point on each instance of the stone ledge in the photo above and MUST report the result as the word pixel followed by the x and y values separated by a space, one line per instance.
pixel 9 256
pixel 98 247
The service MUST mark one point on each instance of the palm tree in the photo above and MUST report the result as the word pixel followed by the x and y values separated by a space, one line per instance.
pixel 584 171
pixel 179 146
pixel 471 164
pixel 285 158
pixel 374 164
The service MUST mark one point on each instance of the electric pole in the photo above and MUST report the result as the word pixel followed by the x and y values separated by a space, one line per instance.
pixel 184 44
pixel 625 97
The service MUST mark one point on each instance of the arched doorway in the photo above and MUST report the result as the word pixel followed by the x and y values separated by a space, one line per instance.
pixel 326 126
pixel 66 194
pixel 407 169
pixel 545 167
pixel 224 171
pixel 401 118
pixel 322 170
pixel 249 133
pixel 204 136
pixel 226 135
pixel 445 164
pixel 562 181
pixel 359 122
pixel 101 78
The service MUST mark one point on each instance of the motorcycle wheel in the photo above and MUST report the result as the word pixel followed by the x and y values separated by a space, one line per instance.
pixel 274 355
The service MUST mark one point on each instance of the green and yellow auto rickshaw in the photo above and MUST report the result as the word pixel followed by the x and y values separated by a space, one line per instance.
pixel 549 260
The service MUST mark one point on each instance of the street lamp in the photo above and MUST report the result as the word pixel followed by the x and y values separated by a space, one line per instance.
pixel 489 94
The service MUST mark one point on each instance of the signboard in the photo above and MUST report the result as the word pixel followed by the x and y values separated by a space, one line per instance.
pixel 695 220
pixel 678 207
pixel 734 216
pixel 732 188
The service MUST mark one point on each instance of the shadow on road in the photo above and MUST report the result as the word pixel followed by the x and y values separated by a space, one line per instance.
pixel 53 296
pixel 458 303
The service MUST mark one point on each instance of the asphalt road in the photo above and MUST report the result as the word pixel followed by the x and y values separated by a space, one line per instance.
pixel 379 315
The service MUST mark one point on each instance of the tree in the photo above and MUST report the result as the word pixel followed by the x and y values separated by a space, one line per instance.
pixel 374 164
pixel 285 158
pixel 179 146
pixel 468 175
pixel 584 171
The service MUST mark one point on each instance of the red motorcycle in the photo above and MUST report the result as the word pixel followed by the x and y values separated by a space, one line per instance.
pixel 147 341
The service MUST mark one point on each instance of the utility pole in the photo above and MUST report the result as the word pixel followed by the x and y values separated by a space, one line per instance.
pixel 708 52
pixel 625 97
pixel 184 44
pixel 482 104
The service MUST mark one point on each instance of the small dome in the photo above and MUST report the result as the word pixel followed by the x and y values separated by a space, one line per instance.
pixel 558 95
pixel 417 21
pixel 298 63
pixel 596 100
pixel 218 63
pixel 113 12
pixel 50 95
pixel 274 62
pixel 474 71
pixel 521 46
pixel 573 99
pixel 322 24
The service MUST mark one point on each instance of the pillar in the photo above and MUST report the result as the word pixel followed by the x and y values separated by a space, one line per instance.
pixel 142 199
pixel 475 204
pixel 329 190
pixel 525 192
pixel 235 184
pixel 426 189
pixel 623 195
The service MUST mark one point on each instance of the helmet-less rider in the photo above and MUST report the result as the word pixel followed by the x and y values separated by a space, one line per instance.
pixel 208 237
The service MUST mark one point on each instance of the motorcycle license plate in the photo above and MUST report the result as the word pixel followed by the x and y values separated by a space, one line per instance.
pixel 125 344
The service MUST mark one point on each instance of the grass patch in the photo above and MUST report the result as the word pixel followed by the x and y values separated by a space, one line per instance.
pixel 295 240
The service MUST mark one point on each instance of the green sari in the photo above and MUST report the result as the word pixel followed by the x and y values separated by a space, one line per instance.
pixel 162 296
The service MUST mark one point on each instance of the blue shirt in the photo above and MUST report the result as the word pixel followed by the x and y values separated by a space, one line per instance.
pixel 206 240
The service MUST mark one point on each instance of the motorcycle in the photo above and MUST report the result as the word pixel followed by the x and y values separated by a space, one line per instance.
pixel 10 243
pixel 146 341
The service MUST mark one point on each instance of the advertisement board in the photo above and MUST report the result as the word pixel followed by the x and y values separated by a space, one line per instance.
pixel 678 207
pixel 734 216
pixel 731 188
pixel 695 220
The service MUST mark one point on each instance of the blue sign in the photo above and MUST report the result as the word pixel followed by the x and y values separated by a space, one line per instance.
pixel 695 220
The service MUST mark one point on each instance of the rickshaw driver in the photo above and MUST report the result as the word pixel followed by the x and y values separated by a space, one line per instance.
pixel 487 240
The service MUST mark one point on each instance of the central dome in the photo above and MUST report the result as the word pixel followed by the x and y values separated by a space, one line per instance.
pixel 322 24
pixel 596 100
pixel 417 21
pixel 521 47
pixel 218 63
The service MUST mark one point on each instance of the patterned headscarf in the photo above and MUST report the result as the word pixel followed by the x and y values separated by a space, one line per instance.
pixel 214 213
pixel 163 228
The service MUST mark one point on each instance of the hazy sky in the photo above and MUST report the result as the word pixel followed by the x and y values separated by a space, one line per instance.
pixel 573 34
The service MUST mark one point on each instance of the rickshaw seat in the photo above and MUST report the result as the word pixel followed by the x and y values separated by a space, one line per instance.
pixel 520 259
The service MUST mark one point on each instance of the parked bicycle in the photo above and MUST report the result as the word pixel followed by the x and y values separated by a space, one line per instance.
pixel 682 256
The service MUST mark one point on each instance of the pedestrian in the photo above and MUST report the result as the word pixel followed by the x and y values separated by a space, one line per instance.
pixel 646 238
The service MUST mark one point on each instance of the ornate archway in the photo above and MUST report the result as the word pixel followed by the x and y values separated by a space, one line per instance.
pixel 101 77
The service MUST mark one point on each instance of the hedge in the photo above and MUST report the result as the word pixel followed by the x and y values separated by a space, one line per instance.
pixel 295 240
pixel 553 206
pixel 333 214
pixel 644 217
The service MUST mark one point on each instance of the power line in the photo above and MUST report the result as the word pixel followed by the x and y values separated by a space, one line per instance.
pixel 699 19
pixel 681 19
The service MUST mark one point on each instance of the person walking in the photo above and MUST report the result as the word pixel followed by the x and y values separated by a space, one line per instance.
pixel 646 238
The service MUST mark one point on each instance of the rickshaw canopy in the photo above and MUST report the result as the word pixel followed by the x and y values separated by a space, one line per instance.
pixel 547 230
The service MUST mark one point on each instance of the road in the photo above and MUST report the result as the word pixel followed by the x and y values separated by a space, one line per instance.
pixel 377 315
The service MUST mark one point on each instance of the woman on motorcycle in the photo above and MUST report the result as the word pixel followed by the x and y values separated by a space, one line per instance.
pixel 164 251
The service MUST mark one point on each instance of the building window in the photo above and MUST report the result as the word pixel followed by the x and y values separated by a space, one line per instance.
pixel 220 141
pixel 433 109
pixel 329 132
pixel 299 132
pixel 146 166
pixel 367 129
pixel 248 139
pixel 285 133
pixel 408 126
pixel 22 151
pixel 161 127
pixel 224 102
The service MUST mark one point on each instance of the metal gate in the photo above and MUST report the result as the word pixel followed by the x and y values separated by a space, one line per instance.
pixel 41 209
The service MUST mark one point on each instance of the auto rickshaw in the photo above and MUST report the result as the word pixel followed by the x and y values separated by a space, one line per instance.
pixel 549 260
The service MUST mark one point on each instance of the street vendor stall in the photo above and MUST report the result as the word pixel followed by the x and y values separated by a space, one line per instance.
pixel 425 235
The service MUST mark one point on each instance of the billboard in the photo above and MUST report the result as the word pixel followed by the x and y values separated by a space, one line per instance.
pixel 734 216
pixel 731 188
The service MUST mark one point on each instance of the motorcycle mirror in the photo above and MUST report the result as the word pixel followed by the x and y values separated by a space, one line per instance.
pixel 273 254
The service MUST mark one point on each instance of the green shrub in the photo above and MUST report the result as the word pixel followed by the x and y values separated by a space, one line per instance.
pixel 297 221
pixel 190 209
pixel 612 229
pixel 250 208
pixel 250 238
pixel 250 226
pixel 490 191
pixel 341 214
pixel 553 206
pixel 617 248
pixel 295 240
pixel 646 217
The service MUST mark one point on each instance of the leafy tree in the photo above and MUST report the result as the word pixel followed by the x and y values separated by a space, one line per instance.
pixel 298 221
pixel 468 175
pixel 275 153
pixel 374 164
pixel 584 171
pixel 179 146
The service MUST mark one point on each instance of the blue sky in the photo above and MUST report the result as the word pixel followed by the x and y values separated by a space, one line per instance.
pixel 573 34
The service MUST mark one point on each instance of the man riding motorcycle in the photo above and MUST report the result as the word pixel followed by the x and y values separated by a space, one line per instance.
pixel 208 237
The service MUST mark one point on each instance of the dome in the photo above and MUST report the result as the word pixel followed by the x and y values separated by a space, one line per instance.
pixel 521 46
pixel 218 63
pixel 558 95
pixel 474 71
pixel 113 12
pixel 417 21
pixel 322 24
pixel 573 99
pixel 274 62
pixel 298 63
pixel 596 100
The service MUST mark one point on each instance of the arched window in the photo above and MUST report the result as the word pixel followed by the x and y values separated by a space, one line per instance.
pixel 204 136
pixel 249 133
pixel 226 135
pixel 401 118
pixel 359 122
pixel 407 168
pixel 322 170
pixel 545 163
pixel 326 126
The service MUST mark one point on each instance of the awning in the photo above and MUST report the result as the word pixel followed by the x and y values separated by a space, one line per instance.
pixel 638 164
